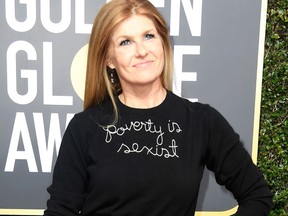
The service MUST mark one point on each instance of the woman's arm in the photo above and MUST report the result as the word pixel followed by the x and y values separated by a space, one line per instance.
pixel 234 168
pixel 67 191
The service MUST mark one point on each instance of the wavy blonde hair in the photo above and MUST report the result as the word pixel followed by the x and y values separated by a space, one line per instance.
pixel 98 86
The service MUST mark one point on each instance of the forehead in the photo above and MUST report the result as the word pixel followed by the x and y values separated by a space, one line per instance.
pixel 133 25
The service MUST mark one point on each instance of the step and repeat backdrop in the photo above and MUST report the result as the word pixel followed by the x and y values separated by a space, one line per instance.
pixel 218 53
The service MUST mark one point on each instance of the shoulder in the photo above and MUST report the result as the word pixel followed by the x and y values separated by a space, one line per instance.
pixel 195 111
pixel 180 103
pixel 94 116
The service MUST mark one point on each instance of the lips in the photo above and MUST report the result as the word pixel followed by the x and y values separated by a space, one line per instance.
pixel 143 64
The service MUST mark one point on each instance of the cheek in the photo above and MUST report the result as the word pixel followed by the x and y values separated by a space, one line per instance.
pixel 157 49
pixel 161 58
pixel 122 58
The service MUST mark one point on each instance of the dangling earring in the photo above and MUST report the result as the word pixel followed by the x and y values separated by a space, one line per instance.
pixel 112 74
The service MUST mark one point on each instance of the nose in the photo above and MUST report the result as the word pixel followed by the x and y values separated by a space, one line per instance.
pixel 141 50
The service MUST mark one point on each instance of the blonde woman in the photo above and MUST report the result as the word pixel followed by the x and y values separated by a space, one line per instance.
pixel 138 149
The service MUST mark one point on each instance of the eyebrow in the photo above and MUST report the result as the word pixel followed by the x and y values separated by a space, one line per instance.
pixel 131 36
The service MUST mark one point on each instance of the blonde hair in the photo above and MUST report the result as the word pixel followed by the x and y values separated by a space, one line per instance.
pixel 98 86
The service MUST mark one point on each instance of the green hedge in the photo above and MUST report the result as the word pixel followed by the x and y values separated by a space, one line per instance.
pixel 273 138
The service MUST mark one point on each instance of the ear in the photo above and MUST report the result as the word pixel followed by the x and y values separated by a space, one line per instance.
pixel 110 63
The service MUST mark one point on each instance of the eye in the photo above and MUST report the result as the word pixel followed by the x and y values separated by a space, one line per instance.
pixel 149 36
pixel 125 42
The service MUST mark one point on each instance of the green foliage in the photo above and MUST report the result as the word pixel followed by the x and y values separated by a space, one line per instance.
pixel 273 138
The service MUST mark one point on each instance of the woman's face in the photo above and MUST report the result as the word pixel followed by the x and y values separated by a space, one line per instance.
pixel 136 52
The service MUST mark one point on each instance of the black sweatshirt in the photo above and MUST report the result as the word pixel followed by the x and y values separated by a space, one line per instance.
pixel 151 162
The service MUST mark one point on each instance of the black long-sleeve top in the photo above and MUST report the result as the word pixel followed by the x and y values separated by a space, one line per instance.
pixel 151 162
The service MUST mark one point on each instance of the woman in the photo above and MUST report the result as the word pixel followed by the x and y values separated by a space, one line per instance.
pixel 138 149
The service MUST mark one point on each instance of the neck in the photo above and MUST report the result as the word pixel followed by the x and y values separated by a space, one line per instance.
pixel 146 98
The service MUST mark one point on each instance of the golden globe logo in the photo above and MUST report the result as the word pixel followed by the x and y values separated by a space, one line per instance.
pixel 78 71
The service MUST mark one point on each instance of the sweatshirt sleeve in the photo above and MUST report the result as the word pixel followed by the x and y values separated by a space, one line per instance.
pixel 233 167
pixel 68 187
